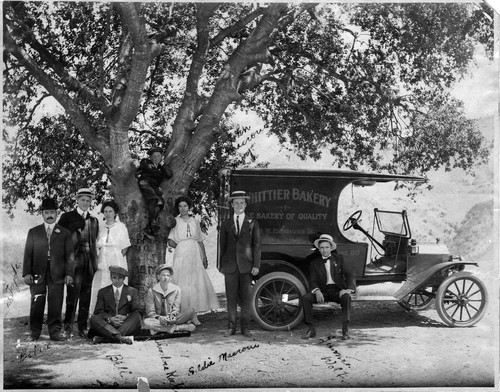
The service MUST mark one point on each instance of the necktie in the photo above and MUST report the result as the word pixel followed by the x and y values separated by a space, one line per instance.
pixel 49 233
pixel 117 300
pixel 238 224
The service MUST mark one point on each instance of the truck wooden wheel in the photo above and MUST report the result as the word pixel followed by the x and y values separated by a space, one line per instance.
pixel 461 300
pixel 419 300
pixel 277 301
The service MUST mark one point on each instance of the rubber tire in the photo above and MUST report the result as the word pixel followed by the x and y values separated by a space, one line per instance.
pixel 405 304
pixel 279 278
pixel 440 299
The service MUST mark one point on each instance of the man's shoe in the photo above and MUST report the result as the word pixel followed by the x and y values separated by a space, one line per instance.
pixel 97 340
pixel 195 321
pixel 82 333
pixel 67 327
pixel 229 332
pixel 34 338
pixel 345 336
pixel 247 333
pixel 311 333
pixel 125 340
pixel 58 337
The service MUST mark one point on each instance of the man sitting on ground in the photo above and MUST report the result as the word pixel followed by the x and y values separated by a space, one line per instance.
pixel 117 312
pixel 163 306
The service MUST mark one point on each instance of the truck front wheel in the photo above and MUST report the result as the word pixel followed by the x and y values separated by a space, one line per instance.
pixel 461 300
pixel 277 301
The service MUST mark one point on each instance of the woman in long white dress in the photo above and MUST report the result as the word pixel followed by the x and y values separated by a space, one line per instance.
pixel 112 246
pixel 190 261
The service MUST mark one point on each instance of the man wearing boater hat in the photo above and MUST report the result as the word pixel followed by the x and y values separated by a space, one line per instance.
pixel 150 175
pixel 84 229
pixel 48 265
pixel 117 312
pixel 330 280
pixel 239 261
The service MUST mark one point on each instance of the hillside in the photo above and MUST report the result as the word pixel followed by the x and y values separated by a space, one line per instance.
pixel 474 238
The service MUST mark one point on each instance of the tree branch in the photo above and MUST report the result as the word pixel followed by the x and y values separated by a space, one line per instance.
pixel 33 109
pixel 140 60
pixel 190 108
pixel 58 93
pixel 102 49
pixel 96 98
pixel 233 29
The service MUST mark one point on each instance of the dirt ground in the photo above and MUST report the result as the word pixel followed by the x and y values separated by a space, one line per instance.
pixel 390 349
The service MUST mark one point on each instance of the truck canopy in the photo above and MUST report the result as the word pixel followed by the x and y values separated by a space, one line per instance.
pixel 292 206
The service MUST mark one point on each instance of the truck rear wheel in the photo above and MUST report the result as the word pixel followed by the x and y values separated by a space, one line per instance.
pixel 277 301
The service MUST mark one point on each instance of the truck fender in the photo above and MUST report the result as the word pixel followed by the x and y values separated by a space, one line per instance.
pixel 268 266
pixel 416 281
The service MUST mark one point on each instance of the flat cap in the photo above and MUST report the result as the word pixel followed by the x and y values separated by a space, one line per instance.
pixel 164 267
pixel 115 269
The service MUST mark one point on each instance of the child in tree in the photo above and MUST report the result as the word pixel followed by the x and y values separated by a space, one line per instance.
pixel 150 174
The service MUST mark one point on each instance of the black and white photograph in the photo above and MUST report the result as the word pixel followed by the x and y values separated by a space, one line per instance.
pixel 284 196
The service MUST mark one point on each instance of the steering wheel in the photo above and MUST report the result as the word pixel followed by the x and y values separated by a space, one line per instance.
pixel 352 220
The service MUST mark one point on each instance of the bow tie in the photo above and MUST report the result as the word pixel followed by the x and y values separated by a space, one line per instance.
pixel 325 260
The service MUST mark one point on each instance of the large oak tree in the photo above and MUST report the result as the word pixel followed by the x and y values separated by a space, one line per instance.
pixel 368 81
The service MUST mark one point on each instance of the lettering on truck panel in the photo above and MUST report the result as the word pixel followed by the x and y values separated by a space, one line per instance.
pixel 295 194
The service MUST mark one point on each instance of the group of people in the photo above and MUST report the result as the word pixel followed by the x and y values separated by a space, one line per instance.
pixel 91 261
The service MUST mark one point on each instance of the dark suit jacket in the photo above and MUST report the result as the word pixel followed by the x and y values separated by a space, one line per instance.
pixel 342 274
pixel 105 306
pixel 74 222
pixel 62 260
pixel 243 250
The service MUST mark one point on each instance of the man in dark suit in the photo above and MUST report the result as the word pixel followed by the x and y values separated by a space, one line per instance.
pixel 48 265
pixel 84 229
pixel 239 260
pixel 117 312
pixel 330 280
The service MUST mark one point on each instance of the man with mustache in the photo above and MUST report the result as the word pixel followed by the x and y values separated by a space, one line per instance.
pixel 48 265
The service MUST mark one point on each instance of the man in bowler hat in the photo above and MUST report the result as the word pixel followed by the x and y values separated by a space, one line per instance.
pixel 48 265
pixel 117 312
pixel 330 280
pixel 150 175
pixel 84 229
pixel 239 261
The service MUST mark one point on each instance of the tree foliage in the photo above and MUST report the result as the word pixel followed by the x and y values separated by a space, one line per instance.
pixel 367 81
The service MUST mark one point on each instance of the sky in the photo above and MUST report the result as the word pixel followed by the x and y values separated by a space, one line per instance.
pixel 478 91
